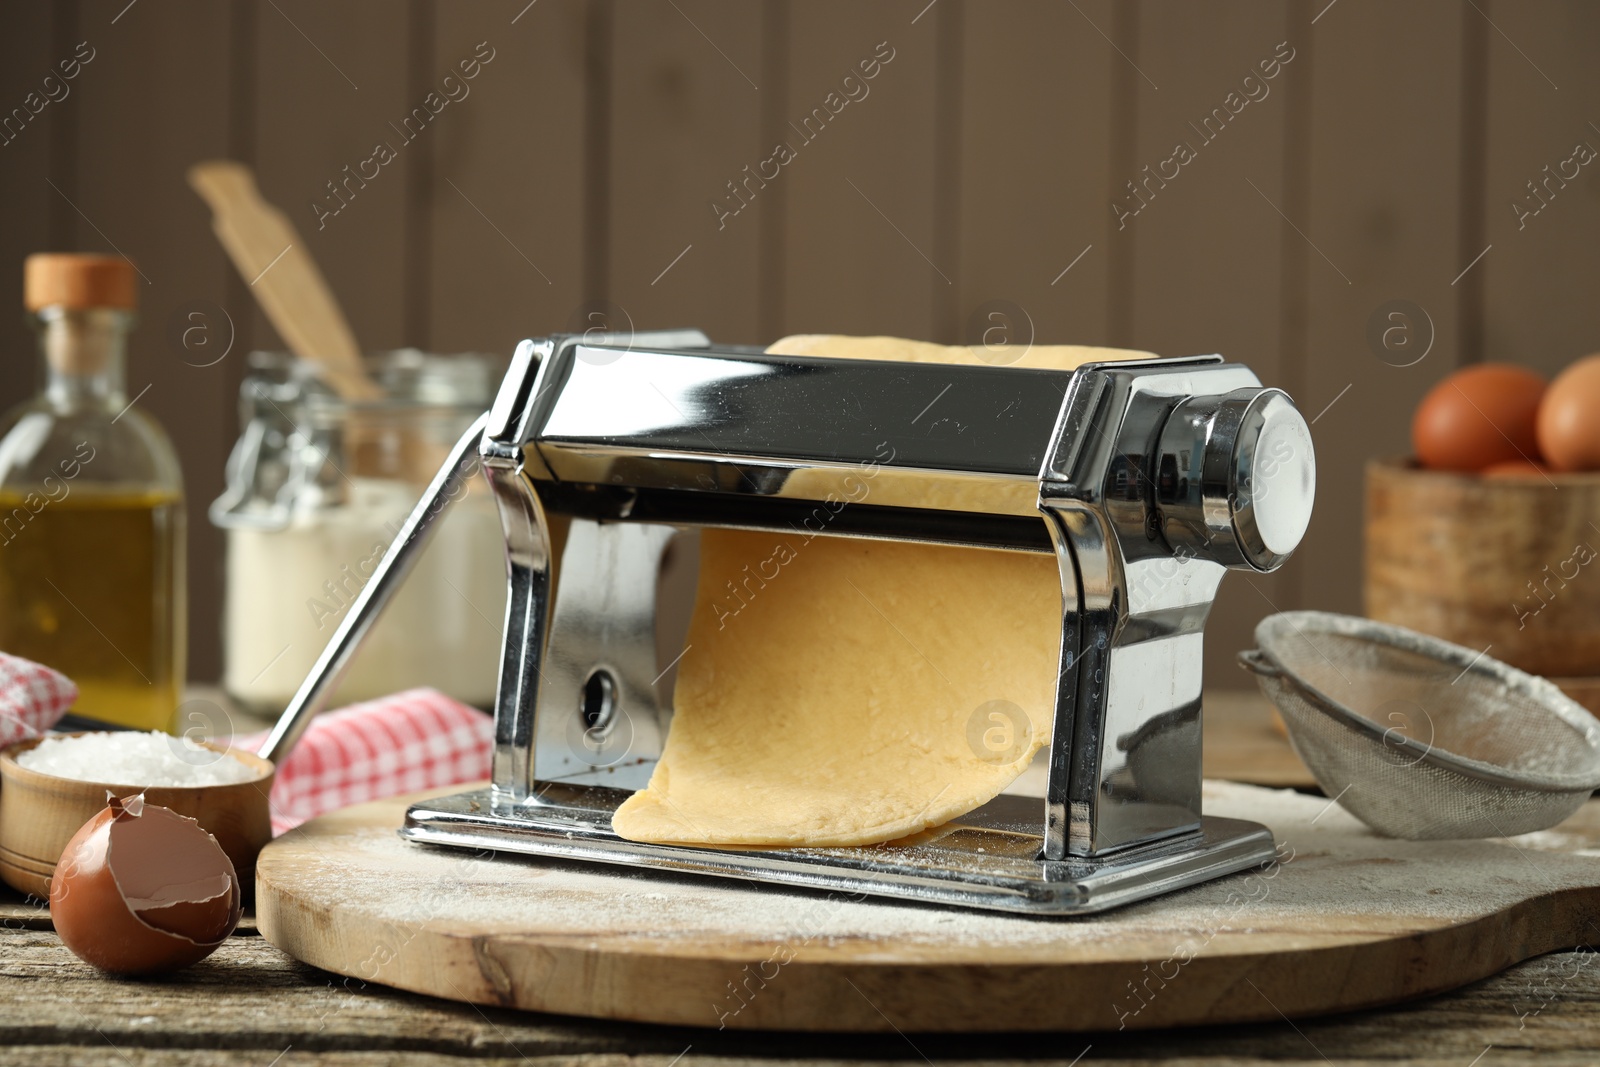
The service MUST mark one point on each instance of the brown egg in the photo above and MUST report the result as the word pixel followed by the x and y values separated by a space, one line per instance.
pixel 1569 418
pixel 1477 417
pixel 1516 468
pixel 141 889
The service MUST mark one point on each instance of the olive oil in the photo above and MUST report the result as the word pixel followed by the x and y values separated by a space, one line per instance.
pixel 91 587
pixel 91 506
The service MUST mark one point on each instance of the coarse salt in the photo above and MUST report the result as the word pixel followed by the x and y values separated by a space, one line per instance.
pixel 130 758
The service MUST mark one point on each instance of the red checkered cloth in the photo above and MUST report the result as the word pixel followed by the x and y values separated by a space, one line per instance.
pixel 419 739
pixel 32 698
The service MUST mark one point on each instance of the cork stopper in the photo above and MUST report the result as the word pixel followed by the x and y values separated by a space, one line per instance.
pixel 78 282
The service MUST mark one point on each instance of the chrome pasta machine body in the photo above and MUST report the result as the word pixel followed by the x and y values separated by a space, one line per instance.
pixel 1145 479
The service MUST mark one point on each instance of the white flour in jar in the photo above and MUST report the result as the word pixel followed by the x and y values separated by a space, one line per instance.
pixel 289 589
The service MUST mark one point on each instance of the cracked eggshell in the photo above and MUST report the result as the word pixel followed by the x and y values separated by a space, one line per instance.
pixel 141 889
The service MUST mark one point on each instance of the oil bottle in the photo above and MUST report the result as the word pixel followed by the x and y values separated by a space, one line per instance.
pixel 91 506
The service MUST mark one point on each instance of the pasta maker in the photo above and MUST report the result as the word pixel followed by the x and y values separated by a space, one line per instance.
pixel 1145 479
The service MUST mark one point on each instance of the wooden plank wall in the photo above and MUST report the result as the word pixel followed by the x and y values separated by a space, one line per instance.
pixel 600 170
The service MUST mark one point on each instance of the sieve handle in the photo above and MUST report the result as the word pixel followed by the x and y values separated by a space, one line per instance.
pixel 1258 662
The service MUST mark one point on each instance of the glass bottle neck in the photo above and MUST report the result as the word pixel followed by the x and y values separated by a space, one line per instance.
pixel 84 352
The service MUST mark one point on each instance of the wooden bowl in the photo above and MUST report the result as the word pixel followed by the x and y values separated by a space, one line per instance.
pixel 39 813
pixel 1511 565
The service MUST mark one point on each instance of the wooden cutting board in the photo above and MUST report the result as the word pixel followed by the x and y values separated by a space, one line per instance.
pixel 1346 920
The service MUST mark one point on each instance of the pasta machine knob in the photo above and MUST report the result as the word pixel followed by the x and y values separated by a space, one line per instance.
pixel 1235 477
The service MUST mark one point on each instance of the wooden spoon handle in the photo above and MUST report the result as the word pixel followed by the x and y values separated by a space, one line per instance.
pixel 274 260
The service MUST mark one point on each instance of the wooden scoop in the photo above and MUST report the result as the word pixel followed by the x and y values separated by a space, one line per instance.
pixel 275 262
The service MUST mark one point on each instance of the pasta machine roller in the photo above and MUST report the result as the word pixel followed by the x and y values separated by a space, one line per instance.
pixel 1145 480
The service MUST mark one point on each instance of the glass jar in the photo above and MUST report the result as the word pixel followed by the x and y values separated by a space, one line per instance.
pixel 318 487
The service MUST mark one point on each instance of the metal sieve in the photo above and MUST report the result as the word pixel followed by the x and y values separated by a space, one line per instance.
pixel 1420 738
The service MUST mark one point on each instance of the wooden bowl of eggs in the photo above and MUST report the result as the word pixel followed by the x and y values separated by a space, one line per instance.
pixel 1490 536
pixel 45 797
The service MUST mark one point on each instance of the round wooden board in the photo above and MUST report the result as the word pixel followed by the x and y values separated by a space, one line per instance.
pixel 1346 920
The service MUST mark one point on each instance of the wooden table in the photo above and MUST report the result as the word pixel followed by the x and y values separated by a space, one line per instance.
pixel 251 1004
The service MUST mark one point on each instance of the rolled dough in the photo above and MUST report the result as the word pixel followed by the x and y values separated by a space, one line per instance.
pixel 842 691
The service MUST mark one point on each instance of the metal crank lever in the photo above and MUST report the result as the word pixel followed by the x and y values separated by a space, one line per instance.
pixel 397 562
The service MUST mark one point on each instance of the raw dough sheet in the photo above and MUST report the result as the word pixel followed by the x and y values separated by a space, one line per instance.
pixel 843 691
